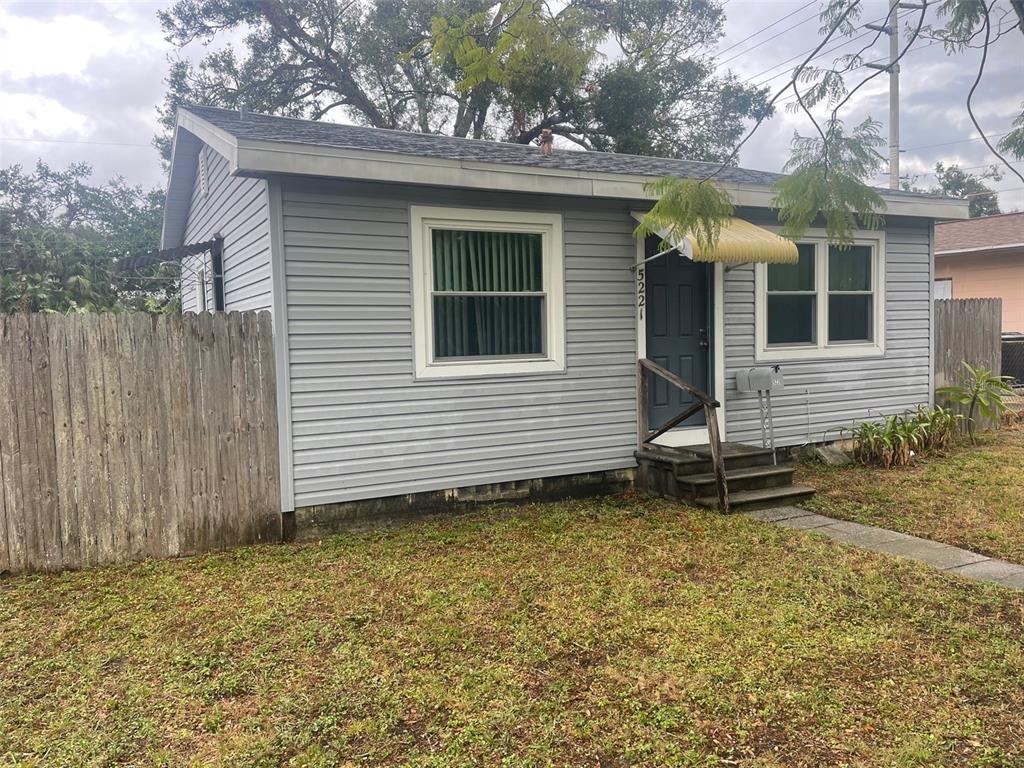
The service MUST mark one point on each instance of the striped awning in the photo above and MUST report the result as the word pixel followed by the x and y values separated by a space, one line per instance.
pixel 740 243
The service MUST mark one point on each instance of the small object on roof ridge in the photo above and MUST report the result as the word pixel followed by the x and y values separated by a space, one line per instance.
pixel 547 141
pixel 243 111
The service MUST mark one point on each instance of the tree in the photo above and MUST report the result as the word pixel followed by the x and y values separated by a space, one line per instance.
pixel 953 181
pixel 60 237
pixel 473 68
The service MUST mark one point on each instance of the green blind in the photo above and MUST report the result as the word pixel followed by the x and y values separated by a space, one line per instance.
pixel 849 269
pixel 794 277
pixel 487 261
pixel 488 296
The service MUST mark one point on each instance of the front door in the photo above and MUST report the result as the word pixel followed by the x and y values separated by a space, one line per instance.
pixel 678 331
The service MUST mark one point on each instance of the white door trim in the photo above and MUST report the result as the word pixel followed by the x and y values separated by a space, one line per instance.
pixel 684 436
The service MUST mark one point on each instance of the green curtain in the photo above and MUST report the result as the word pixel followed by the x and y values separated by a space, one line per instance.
pixel 849 269
pixel 476 278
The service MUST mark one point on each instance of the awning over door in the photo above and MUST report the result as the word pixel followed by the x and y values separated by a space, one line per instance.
pixel 741 242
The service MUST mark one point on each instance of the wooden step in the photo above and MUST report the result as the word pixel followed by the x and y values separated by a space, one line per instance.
pixel 780 496
pixel 745 479
pixel 685 462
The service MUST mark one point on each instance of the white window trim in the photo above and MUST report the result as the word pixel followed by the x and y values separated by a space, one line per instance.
pixel 423 218
pixel 822 350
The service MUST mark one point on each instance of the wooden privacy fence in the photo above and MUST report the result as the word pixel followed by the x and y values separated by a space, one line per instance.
pixel 966 330
pixel 128 436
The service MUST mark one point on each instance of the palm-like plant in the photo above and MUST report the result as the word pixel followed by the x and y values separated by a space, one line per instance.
pixel 981 391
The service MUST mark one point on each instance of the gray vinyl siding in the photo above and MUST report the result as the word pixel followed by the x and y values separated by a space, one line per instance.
pixel 363 427
pixel 822 395
pixel 237 209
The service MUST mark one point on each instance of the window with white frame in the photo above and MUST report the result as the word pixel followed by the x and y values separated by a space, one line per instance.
pixel 487 292
pixel 829 304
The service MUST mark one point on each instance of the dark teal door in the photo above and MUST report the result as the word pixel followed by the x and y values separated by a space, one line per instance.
pixel 678 331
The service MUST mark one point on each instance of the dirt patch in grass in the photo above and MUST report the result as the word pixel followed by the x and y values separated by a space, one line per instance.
pixel 615 632
pixel 972 498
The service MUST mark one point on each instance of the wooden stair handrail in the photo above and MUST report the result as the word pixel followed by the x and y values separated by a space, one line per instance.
pixel 645 435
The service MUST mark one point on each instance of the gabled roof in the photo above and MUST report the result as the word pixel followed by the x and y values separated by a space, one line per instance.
pixel 262 145
pixel 985 233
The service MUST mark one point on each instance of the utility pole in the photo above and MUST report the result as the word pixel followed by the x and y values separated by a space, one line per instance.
pixel 892 29
pixel 894 95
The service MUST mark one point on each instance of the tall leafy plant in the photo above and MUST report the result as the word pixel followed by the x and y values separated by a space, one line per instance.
pixel 981 391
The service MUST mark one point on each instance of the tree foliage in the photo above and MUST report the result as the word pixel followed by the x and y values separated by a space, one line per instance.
pixel 826 179
pixel 953 181
pixel 474 68
pixel 60 236
pixel 686 206
pixel 830 171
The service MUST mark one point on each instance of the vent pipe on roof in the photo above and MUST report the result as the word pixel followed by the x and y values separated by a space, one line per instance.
pixel 243 111
pixel 547 141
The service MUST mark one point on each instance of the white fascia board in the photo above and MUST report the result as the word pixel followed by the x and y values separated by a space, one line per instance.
pixel 178 195
pixel 957 251
pixel 257 158
pixel 218 139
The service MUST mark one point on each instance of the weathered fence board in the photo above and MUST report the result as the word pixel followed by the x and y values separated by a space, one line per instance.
pixel 129 436
pixel 966 330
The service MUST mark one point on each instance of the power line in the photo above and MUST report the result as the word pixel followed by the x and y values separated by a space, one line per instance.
pixel 75 141
pixel 825 52
pixel 765 29
pixel 769 39
pixel 963 167
pixel 957 141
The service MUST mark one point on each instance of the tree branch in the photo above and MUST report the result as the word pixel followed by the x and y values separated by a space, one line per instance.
pixel 790 84
pixel 977 81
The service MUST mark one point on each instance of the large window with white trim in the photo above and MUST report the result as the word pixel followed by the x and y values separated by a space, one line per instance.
pixel 828 304
pixel 488 292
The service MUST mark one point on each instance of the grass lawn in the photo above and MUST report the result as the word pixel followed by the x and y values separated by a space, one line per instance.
pixel 614 632
pixel 973 498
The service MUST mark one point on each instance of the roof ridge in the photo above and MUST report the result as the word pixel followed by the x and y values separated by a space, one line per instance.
pixel 403 132
pixel 525 154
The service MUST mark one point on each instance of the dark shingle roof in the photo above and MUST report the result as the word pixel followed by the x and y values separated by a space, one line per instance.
pixel 258 127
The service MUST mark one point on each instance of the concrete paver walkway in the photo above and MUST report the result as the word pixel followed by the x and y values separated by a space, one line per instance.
pixel 942 556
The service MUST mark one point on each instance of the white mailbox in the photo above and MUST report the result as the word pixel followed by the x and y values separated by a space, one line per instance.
pixel 759 379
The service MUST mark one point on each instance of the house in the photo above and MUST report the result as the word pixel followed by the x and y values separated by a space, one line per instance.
pixel 464 319
pixel 983 258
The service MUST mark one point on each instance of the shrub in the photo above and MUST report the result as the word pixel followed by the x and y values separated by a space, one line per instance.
pixel 981 391
pixel 895 440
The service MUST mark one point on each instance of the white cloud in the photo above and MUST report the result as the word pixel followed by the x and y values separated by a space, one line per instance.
pixel 28 115
pixel 64 45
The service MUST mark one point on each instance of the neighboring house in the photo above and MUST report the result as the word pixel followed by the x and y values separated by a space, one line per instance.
pixel 454 313
pixel 983 258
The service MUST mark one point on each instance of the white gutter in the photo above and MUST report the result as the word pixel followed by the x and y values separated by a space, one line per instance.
pixel 982 248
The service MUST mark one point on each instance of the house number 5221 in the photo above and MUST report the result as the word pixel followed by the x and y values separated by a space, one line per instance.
pixel 640 291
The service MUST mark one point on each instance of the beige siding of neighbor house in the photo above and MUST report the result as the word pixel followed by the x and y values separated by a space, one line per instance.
pixel 988 275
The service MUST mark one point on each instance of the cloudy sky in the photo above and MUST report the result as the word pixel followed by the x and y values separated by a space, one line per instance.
pixel 82 80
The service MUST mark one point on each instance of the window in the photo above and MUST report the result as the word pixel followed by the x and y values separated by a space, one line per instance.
pixel 792 300
pixel 487 292
pixel 850 292
pixel 944 288
pixel 828 304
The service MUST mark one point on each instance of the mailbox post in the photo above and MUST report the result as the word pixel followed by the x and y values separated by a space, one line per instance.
pixel 763 381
